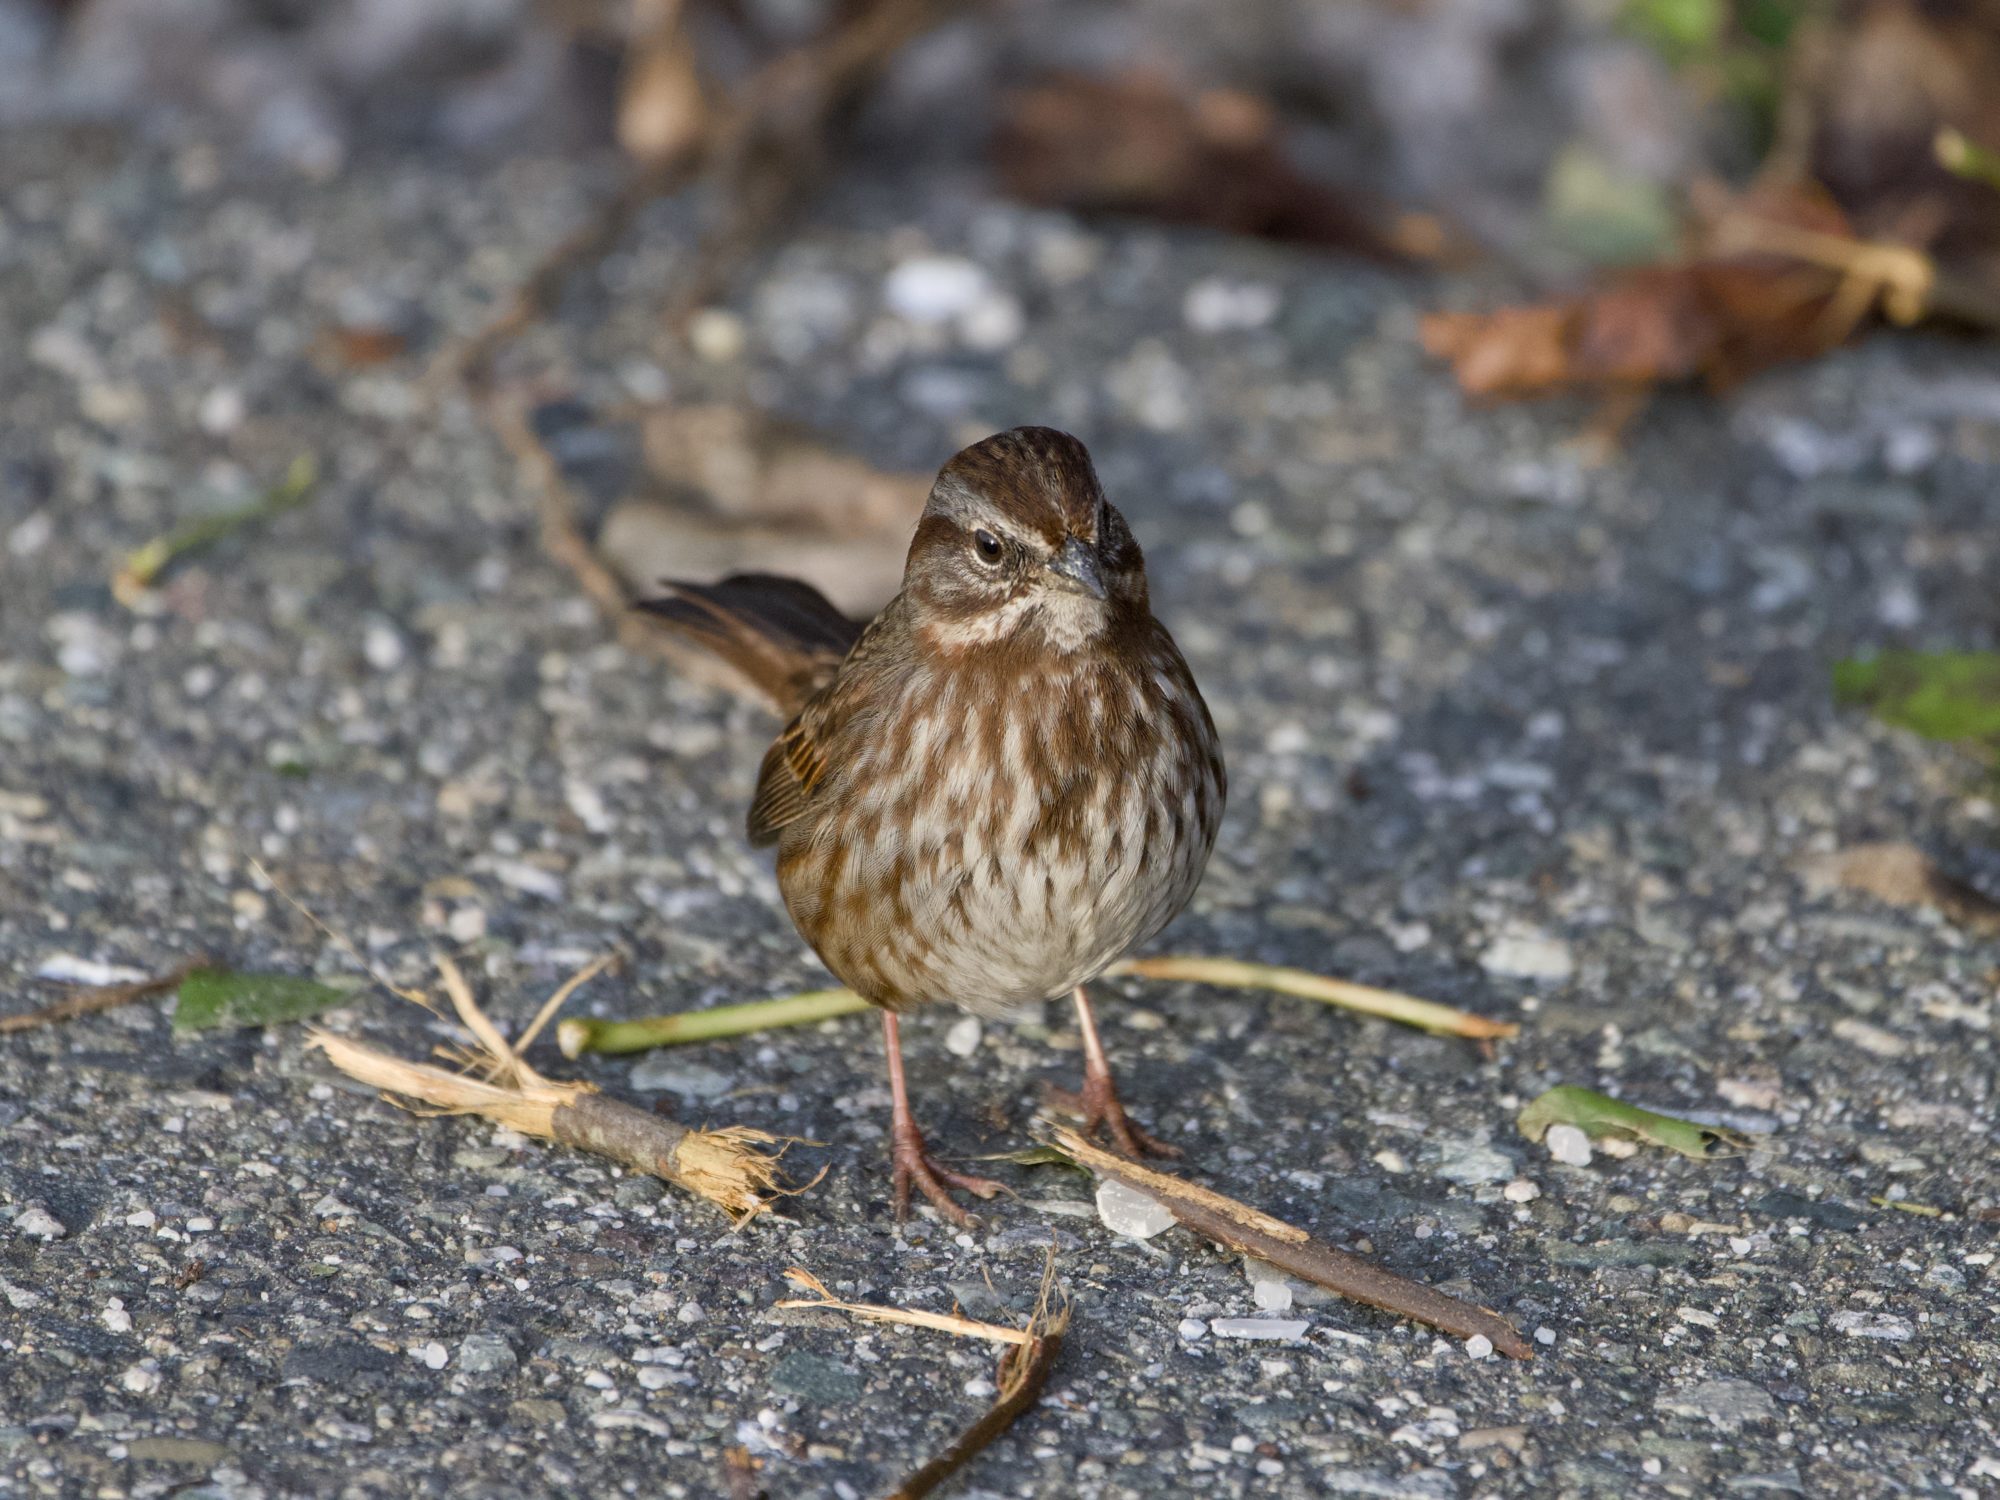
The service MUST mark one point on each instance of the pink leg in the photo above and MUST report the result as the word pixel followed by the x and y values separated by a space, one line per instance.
pixel 1099 1101
pixel 909 1161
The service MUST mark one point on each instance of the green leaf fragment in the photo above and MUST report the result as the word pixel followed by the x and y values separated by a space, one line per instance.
pixel 1599 1116
pixel 213 998
pixel 1941 695
pixel 1039 1156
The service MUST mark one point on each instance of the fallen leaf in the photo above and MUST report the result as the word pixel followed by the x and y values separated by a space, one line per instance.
pixel 1601 1117
pixel 1754 301
pixel 746 464
pixel 1902 875
pixel 213 998
pixel 1135 143
pixel 1941 695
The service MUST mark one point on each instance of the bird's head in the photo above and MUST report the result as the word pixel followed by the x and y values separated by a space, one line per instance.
pixel 1018 537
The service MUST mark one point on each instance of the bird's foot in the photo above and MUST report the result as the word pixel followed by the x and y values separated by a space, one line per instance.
pixel 1100 1108
pixel 912 1162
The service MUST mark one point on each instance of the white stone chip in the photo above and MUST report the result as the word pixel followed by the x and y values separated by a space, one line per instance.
pixel 38 1223
pixel 964 1037
pixel 935 288
pixel 1272 1296
pixel 1284 1329
pixel 1523 953
pixel 1129 1212
pixel 1479 1346
pixel 1568 1144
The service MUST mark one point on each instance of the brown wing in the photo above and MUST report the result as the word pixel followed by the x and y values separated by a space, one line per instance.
pixel 800 758
pixel 792 767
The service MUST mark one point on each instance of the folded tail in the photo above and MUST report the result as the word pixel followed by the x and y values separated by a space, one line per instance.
pixel 781 634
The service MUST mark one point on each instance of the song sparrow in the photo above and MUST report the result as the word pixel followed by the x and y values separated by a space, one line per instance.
pixel 1000 786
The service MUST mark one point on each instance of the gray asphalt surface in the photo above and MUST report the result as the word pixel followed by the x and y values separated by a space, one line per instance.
pixel 1544 740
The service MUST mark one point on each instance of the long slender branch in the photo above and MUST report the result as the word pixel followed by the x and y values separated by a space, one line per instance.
pixel 1243 1228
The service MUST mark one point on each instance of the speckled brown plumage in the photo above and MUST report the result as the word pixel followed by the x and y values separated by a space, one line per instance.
pixel 1004 783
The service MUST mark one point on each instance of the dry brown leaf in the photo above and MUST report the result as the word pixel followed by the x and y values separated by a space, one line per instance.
pixel 1780 277
pixel 1136 143
pixel 746 464
pixel 1902 875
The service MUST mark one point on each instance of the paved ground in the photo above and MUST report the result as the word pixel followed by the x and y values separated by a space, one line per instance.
pixel 1543 741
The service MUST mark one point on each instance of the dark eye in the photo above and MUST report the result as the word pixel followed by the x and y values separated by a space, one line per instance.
pixel 987 545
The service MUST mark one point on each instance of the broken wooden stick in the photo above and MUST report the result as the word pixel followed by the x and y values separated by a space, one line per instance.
pixel 727 1167
pixel 1239 1227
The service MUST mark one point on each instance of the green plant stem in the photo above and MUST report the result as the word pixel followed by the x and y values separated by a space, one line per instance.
pixel 1231 973
pixel 577 1036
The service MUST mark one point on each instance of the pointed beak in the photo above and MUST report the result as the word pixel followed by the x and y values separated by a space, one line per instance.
pixel 1075 569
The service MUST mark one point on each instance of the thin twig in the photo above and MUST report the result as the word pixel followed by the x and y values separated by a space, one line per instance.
pixel 1023 1371
pixel 1243 1228
pixel 143 567
pixel 876 1313
pixel 1024 1368
pixel 560 998
pixel 470 359
pixel 340 940
pixel 88 1002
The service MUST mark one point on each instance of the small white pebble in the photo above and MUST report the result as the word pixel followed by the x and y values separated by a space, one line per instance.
pixel 964 1037
pixel 200 1225
pixel 143 1219
pixel 1270 1468
pixel 1192 1328
pixel 38 1223
pixel 935 288
pixel 979 1386
pixel 1390 1161
pixel 1242 1443
pixel 435 1355
pixel 383 646
pixel 1568 1144
pixel 1520 1190
pixel 653 1378
pixel 716 335
pixel 115 1317
pixel 691 1312
pixel 1545 1335
pixel 1479 1346
pixel 140 1380
pixel 1618 1147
